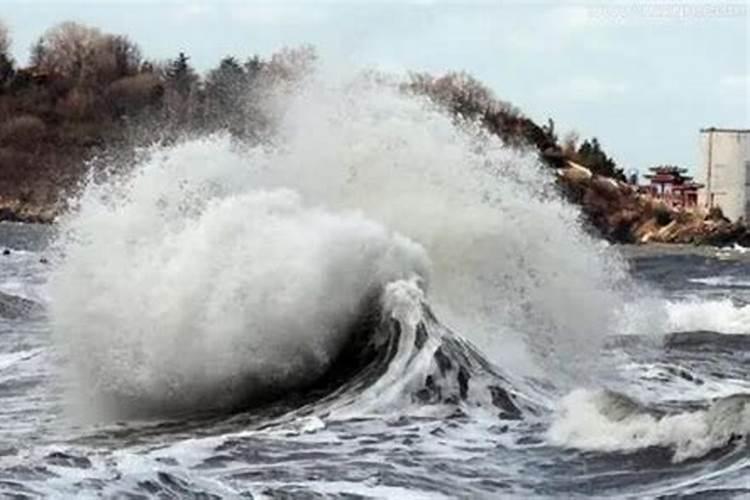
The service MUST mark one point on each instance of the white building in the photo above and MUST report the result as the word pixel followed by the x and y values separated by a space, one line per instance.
pixel 724 169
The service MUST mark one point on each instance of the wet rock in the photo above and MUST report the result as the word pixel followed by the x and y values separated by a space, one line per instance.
pixel 707 341
pixel 62 459
pixel 16 210
pixel 463 382
pixel 501 399
pixel 443 361
pixel 621 214
pixel 421 336
pixel 430 393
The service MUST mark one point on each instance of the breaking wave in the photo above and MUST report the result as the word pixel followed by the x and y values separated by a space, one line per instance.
pixel 605 421
pixel 217 276
pixel 721 315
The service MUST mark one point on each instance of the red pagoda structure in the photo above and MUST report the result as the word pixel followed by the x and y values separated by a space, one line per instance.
pixel 669 183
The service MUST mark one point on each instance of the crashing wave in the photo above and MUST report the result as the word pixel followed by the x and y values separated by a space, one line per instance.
pixel 215 275
pixel 607 421
pixel 416 361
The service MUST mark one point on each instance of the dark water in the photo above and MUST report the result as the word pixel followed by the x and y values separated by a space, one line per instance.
pixel 412 410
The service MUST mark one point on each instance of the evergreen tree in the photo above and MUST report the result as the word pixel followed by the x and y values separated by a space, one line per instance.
pixel 226 89
pixel 6 70
pixel 224 82
pixel 181 76
pixel 591 155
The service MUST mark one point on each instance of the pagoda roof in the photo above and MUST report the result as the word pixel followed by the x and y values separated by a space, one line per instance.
pixel 672 169
pixel 727 130
pixel 688 185
pixel 668 177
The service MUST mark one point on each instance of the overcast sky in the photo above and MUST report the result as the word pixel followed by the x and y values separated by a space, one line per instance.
pixel 641 77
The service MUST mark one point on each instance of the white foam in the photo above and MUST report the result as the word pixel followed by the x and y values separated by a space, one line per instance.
pixel 595 421
pixel 714 315
pixel 213 269
pixel 721 281
pixel 255 294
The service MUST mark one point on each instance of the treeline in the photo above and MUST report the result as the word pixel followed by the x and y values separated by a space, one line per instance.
pixel 468 98
pixel 85 93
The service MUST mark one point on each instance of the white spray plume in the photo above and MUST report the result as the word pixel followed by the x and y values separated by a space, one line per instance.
pixel 216 273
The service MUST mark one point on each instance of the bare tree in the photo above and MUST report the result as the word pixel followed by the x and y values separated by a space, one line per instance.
pixel 67 49
pixel 462 93
pixel 86 54
pixel 115 56
pixel 290 64
pixel 126 53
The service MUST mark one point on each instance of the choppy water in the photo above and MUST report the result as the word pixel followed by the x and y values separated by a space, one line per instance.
pixel 380 302
pixel 424 415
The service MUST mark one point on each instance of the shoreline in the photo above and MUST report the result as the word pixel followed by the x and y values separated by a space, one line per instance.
pixel 685 229
pixel 27 213
pixel 622 215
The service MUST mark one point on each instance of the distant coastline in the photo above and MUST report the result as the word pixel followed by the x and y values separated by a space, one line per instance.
pixel 624 215
pixel 89 99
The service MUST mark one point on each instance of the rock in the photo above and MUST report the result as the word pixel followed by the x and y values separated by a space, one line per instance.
pixel 621 214
pixel 606 187
pixel 14 210
pixel 576 173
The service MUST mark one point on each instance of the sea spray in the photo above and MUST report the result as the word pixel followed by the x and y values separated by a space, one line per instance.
pixel 603 421
pixel 510 257
pixel 214 274
pixel 250 299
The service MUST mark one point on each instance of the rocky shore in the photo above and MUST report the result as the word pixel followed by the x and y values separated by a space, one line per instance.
pixel 15 210
pixel 613 208
pixel 623 215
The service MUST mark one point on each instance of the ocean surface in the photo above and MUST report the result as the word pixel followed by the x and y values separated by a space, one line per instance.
pixel 381 301
pixel 670 420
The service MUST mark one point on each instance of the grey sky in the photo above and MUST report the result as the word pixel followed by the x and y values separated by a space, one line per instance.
pixel 641 77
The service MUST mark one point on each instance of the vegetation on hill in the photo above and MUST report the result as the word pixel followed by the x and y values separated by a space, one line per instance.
pixel 86 93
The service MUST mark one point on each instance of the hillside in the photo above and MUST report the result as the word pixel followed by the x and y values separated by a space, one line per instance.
pixel 87 93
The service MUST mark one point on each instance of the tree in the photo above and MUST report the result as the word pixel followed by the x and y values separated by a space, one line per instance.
pixel 6 62
pixel 6 70
pixel 290 64
pixel 226 90
pixel 37 50
pixel 182 99
pixel 115 56
pixel 225 80
pixel 253 66
pixel 130 95
pixel 67 49
pixel 549 130
pixel 469 100
pixel 181 77
pixel 4 39
pixel 462 94
pixel 591 155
